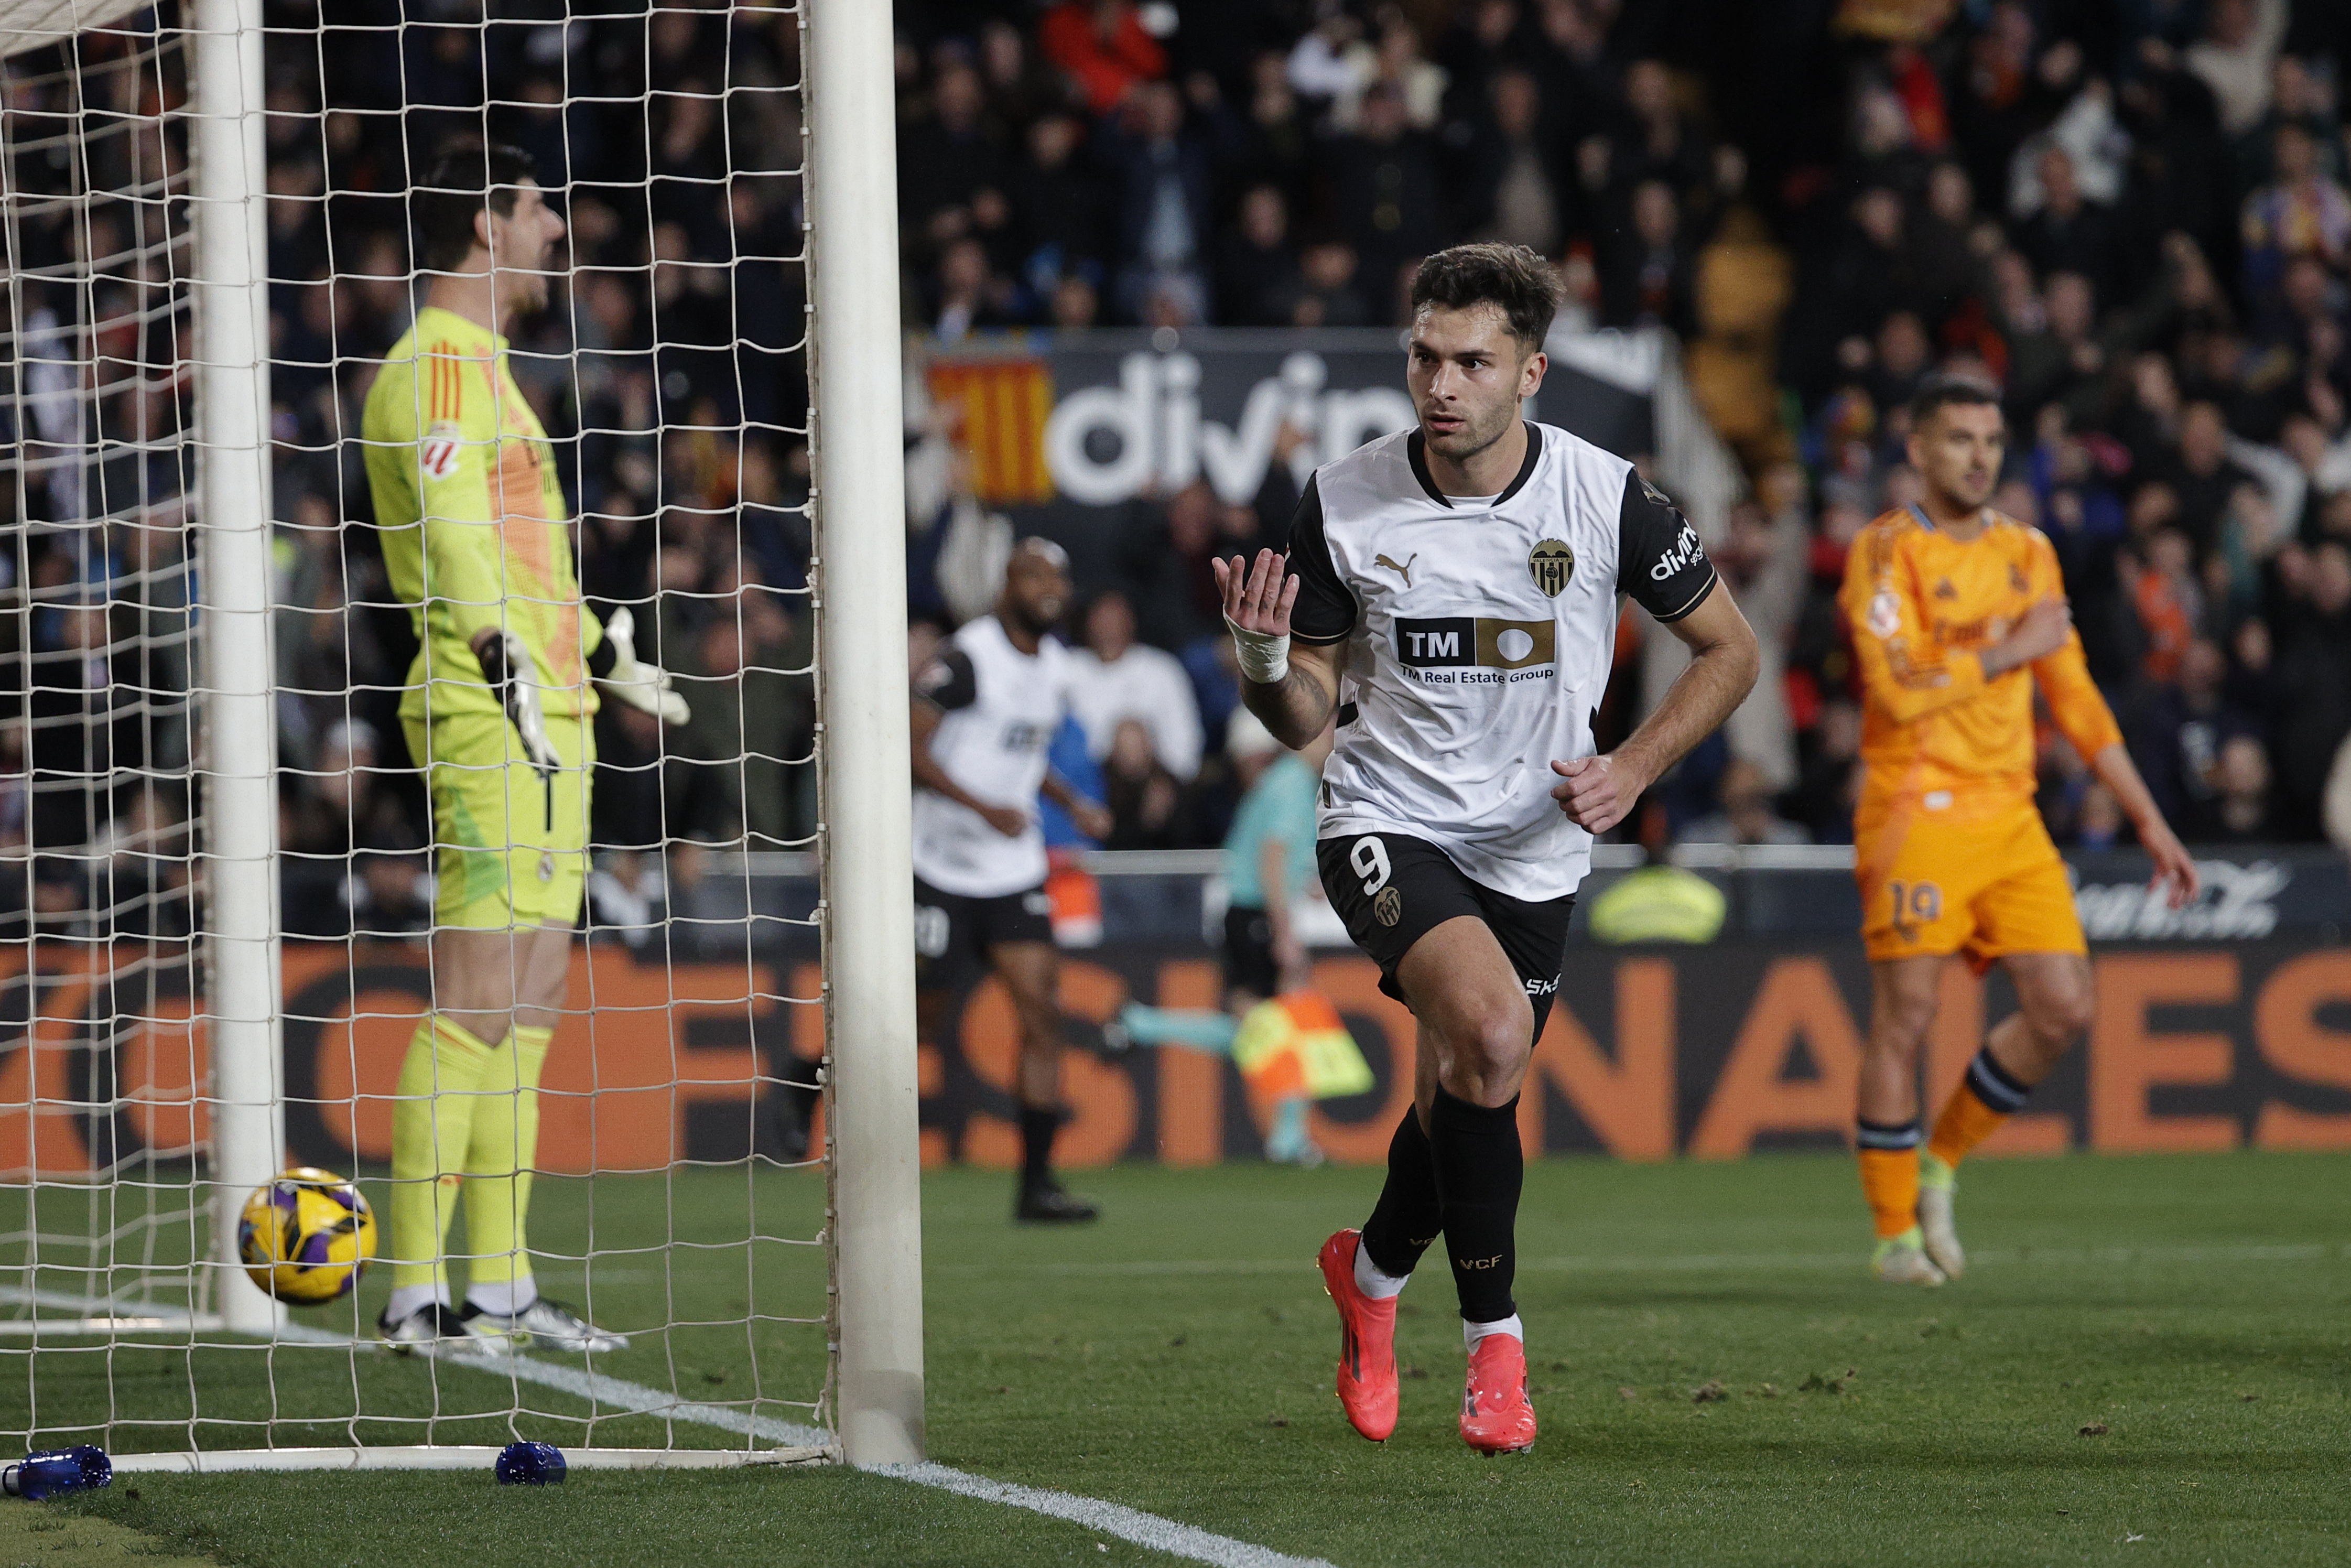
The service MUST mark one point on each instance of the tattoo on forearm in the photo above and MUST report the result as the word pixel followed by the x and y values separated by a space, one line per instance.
pixel 1300 706
pixel 1305 700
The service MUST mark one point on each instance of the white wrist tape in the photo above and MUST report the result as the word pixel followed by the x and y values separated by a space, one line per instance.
pixel 1264 655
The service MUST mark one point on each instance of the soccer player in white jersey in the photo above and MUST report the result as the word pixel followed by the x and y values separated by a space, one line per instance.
pixel 984 711
pixel 1451 596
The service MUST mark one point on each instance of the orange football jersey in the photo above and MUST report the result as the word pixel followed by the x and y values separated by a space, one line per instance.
pixel 1922 605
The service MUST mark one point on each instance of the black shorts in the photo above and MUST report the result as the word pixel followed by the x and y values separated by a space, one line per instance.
pixel 1391 891
pixel 1249 963
pixel 953 931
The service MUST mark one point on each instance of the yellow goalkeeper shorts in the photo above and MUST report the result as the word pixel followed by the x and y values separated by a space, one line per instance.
pixel 510 848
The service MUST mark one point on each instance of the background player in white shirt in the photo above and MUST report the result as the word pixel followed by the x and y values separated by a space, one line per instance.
pixel 985 712
pixel 1451 596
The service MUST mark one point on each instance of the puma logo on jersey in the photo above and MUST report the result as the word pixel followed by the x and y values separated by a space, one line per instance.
pixel 1404 571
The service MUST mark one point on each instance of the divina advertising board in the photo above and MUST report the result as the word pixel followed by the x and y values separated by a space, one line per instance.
pixel 1058 424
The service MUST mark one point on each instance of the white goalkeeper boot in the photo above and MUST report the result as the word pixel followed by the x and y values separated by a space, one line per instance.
pixel 430 1329
pixel 545 1322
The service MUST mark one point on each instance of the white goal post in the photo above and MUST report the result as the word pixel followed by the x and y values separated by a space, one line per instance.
pixel 869 857
pixel 128 1250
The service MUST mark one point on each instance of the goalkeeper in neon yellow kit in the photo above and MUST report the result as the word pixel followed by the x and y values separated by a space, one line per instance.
pixel 499 710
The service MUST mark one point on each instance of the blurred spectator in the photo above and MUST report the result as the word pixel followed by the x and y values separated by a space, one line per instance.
pixel 1114 680
pixel 1104 45
pixel 2069 232
pixel 2240 813
pixel 1257 269
pixel 1663 147
pixel 2338 804
pixel 1520 195
pixel 1144 798
pixel 1326 294
pixel 2177 736
pixel 2314 676
pixel 1275 140
pixel 2169 603
pixel 2202 477
pixel 2300 213
pixel 1162 566
pixel 1020 89
pixel 1648 280
pixel 2097 817
pixel 1393 56
pixel 1765 562
pixel 1164 211
pixel 1058 205
pixel 1076 305
pixel 1385 194
pixel 2234 57
pixel 749 744
pixel 1830 785
pixel 1746 816
pixel 967 298
pixel 2063 363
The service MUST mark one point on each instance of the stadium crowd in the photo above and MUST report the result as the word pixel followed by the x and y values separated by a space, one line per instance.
pixel 2134 218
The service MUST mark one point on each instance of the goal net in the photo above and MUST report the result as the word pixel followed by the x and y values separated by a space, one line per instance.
pixel 230 892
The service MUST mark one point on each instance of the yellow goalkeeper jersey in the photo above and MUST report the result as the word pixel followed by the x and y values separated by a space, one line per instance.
pixel 474 528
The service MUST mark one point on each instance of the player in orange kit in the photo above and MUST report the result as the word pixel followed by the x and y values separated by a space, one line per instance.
pixel 1950 603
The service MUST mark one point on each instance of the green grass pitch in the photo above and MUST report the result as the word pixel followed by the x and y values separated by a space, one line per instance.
pixel 1717 1380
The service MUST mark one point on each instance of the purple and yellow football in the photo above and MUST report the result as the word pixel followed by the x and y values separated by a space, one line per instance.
pixel 306 1235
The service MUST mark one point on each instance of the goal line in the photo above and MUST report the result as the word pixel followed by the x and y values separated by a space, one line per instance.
pixel 795 1443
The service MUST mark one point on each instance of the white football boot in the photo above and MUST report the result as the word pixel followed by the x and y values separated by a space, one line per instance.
pixel 1938 1236
pixel 1902 1260
pixel 545 1322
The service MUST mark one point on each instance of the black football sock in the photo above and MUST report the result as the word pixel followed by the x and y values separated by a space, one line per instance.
pixel 1038 1126
pixel 1406 1218
pixel 1480 1170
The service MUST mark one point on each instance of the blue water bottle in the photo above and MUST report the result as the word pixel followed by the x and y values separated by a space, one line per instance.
pixel 531 1465
pixel 78 1468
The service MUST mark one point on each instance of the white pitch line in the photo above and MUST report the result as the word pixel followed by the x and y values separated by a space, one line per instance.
pixel 1108 1518
pixel 596 1388
pixel 602 1388
pixel 2314 1252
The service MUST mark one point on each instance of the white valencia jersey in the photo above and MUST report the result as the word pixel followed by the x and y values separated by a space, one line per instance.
pixel 1478 637
pixel 1001 708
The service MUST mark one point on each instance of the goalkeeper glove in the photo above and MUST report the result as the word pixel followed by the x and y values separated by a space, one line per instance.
pixel 619 673
pixel 506 664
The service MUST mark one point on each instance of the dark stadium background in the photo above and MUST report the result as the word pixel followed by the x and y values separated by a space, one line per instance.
pixel 2132 214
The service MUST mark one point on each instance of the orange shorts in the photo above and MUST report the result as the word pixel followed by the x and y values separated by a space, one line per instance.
pixel 1983 886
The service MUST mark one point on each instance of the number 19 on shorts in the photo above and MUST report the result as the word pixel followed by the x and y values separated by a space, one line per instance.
pixel 1915 902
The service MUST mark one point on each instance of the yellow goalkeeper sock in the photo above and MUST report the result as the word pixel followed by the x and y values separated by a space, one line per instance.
pixel 431 1123
pixel 498 1161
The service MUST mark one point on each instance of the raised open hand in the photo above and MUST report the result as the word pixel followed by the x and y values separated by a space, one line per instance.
pixel 1256 599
